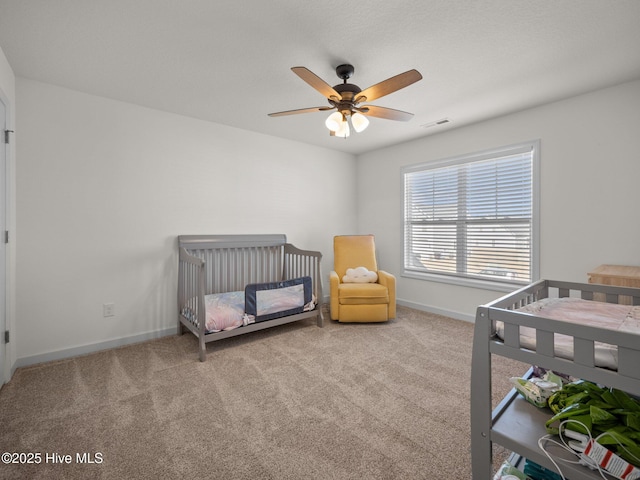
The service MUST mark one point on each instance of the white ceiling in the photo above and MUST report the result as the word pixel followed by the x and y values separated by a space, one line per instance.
pixel 228 61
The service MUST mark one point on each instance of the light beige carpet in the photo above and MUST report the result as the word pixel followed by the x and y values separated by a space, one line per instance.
pixel 348 401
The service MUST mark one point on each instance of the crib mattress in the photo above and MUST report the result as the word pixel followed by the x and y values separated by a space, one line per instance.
pixel 258 302
pixel 625 318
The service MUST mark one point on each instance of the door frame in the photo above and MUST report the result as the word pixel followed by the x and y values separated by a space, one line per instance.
pixel 4 219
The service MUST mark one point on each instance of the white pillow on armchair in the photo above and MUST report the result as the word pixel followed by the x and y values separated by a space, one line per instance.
pixel 360 275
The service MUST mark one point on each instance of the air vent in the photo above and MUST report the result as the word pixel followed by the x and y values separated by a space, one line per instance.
pixel 437 123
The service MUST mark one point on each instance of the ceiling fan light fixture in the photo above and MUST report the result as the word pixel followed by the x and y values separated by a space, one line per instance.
pixel 343 130
pixel 359 122
pixel 333 121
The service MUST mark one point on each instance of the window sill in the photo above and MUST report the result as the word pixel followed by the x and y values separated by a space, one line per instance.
pixel 465 282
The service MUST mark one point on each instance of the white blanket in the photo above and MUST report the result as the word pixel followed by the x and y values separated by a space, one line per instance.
pixel 224 311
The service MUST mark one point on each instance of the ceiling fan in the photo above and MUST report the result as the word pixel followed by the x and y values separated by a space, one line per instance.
pixel 346 98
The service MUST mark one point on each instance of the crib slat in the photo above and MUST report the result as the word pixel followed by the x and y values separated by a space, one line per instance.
pixel 512 335
pixel 544 343
pixel 628 361
pixel 586 295
pixel 583 351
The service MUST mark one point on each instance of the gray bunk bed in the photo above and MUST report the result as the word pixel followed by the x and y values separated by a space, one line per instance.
pixel 515 424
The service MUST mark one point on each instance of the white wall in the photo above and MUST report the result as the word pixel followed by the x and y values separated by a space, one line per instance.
pixel 7 91
pixel 104 188
pixel 590 194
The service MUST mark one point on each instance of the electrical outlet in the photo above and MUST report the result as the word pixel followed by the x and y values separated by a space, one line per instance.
pixel 108 310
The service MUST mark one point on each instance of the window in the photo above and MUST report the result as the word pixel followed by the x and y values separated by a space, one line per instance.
pixel 473 218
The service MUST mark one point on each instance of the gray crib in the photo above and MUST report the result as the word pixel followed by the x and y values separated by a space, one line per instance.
pixel 210 264
pixel 515 424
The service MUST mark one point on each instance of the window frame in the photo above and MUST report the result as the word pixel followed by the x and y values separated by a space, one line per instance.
pixel 532 146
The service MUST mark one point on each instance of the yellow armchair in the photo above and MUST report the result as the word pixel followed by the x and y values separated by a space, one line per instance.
pixel 359 302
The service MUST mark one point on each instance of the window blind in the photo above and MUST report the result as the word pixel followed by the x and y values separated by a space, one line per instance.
pixel 472 217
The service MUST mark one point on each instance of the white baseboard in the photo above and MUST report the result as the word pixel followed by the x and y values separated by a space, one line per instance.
pixel 91 348
pixel 438 311
pixel 425 308
pixel 121 342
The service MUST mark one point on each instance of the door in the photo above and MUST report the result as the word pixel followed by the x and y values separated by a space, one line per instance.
pixel 3 227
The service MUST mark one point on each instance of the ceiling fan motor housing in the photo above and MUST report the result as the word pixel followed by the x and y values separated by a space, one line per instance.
pixel 348 91
pixel 347 102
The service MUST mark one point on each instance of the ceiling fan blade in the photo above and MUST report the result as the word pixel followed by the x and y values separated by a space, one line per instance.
pixel 300 110
pixel 316 82
pixel 387 113
pixel 388 86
